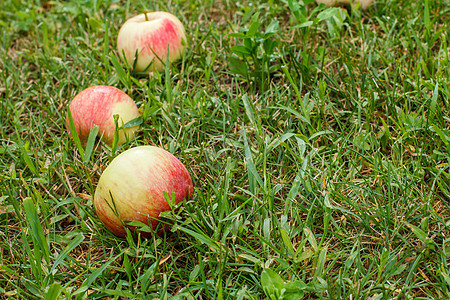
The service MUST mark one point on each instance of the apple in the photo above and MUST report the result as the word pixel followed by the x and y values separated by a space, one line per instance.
pixel 363 3
pixel 97 105
pixel 149 36
pixel 135 185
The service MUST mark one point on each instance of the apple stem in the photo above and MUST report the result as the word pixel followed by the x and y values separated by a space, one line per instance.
pixel 146 17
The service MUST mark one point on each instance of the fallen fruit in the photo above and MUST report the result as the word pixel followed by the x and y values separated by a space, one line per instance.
pixel 97 105
pixel 147 37
pixel 136 185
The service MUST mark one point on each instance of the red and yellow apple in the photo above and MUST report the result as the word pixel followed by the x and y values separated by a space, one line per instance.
pixel 147 37
pixel 97 105
pixel 135 185
pixel 364 4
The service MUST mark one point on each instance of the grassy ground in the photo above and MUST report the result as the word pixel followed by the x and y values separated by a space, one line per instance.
pixel 319 145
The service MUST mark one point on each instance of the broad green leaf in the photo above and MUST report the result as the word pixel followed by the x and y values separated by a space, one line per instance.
pixel 238 34
pixel 269 45
pixel 328 13
pixel 304 24
pixel 237 66
pixel 272 284
pixel 294 290
pixel 254 25
pixel 53 291
pixel 273 27
pixel 241 51
pixel 133 123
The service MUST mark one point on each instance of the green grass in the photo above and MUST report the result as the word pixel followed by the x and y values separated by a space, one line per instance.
pixel 320 154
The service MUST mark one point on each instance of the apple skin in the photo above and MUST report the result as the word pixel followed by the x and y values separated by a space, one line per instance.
pixel 136 180
pixel 364 4
pixel 154 35
pixel 97 105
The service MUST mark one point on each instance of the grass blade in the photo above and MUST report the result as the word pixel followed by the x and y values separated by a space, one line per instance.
pixel 287 242
pixel 25 156
pixel 72 245
pixel 74 134
pixel 36 228
pixel 94 275
pixel 90 143
pixel 203 238
pixel 168 80
pixel 253 176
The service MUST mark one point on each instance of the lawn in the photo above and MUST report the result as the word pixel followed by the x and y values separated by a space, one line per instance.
pixel 318 141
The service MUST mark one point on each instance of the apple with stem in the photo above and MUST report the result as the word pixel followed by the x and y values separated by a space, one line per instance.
pixel 145 39
pixel 97 105
pixel 138 185
pixel 364 4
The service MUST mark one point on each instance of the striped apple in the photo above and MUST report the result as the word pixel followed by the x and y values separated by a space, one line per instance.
pixel 135 187
pixel 147 37
pixel 97 105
